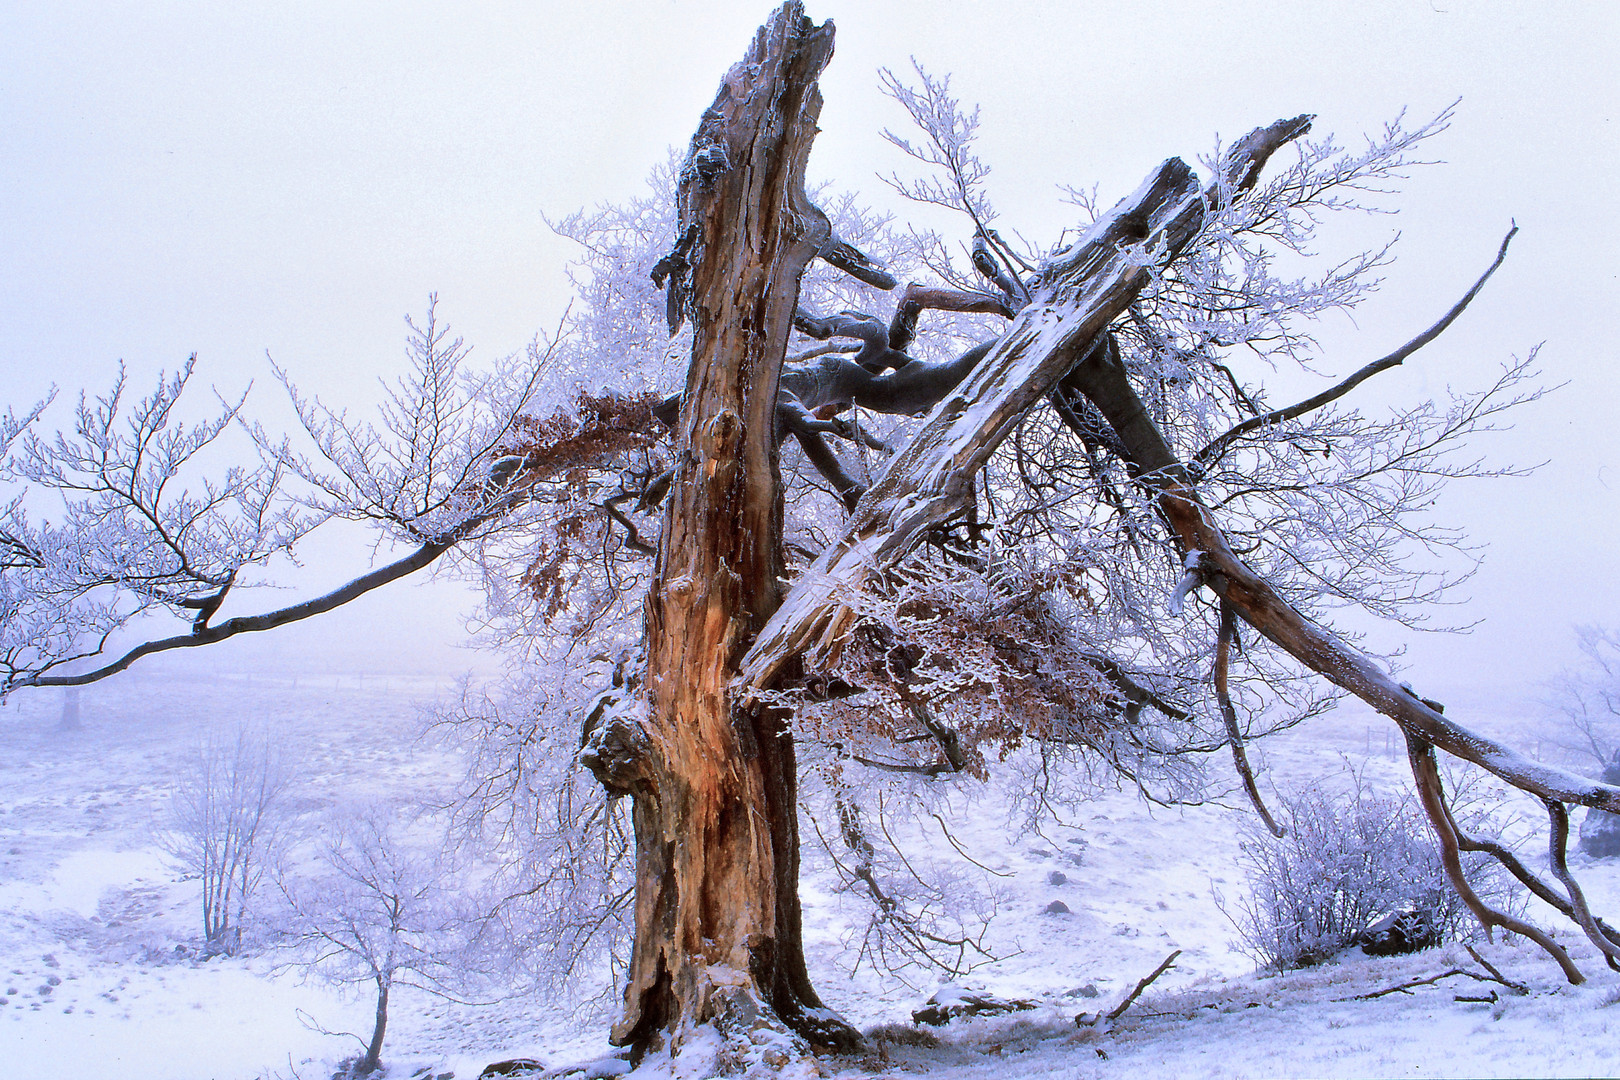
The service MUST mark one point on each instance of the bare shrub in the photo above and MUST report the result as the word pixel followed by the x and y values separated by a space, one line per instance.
pixel 903 1035
pixel 226 822
pixel 1346 861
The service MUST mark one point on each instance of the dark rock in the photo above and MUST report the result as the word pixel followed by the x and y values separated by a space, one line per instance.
pixel 1399 933
pixel 1056 907
pixel 949 1002
pixel 1057 877
pixel 1600 832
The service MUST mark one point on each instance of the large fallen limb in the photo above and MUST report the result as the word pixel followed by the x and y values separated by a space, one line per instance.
pixel 1102 379
pixel 1086 287
pixel 1076 293
pixel 1048 342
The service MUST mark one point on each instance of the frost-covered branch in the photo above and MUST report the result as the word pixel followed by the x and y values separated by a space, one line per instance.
pixel 142 525
pixel 429 464
pixel 1333 393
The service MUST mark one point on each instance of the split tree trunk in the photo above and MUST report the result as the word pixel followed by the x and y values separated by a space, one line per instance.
pixel 718 936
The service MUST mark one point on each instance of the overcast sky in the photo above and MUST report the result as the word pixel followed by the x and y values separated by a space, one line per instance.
pixel 239 179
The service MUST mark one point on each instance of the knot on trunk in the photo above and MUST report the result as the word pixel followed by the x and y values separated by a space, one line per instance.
pixel 619 754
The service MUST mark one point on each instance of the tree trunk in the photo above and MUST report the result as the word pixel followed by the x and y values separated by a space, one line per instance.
pixel 718 936
pixel 373 1059
pixel 70 710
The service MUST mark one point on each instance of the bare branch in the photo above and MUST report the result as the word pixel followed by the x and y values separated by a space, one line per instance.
pixel 1333 393
pixel 1141 984
pixel 1234 733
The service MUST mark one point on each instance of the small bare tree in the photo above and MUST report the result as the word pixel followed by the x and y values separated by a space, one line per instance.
pixel 1588 697
pixel 373 912
pixel 226 822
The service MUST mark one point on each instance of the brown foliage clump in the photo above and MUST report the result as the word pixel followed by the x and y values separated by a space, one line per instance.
pixel 567 453
pixel 595 430
pixel 951 690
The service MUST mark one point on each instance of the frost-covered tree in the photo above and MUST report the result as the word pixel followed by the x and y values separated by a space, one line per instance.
pixel 753 545
pixel 371 911
pixel 227 821
pixel 1587 700
pixel 1588 697
pixel 147 524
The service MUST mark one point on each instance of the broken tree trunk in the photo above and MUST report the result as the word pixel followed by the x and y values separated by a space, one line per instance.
pixel 1054 343
pixel 717 917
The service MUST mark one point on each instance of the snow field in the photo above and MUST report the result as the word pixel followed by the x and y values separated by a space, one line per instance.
pixel 91 917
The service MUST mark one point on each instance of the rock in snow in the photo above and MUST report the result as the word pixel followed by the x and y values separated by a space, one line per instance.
pixel 949 1002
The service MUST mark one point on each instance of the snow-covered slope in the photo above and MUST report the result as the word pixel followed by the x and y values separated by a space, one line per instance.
pixel 100 974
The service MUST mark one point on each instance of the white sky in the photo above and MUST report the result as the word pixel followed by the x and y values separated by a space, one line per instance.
pixel 293 178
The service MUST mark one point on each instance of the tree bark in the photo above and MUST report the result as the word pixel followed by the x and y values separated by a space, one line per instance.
pixel 718 935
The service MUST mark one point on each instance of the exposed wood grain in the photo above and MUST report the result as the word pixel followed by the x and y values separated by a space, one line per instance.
pixel 717 918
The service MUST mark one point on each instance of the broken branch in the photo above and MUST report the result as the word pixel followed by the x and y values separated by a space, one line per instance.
pixel 1119 1010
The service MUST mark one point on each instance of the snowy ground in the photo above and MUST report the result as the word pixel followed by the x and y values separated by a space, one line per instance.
pixel 99 976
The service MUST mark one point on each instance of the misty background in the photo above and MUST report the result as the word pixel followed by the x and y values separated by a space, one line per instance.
pixel 292 180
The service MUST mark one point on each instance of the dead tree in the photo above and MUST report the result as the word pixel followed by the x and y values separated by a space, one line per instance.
pixel 713 776
pixel 710 766
pixel 711 771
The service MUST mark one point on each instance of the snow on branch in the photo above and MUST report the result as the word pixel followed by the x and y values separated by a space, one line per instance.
pixel 139 525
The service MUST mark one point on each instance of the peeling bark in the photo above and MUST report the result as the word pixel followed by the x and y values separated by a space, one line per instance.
pixel 717 916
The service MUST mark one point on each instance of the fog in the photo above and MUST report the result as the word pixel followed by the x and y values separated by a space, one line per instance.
pixel 291 180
